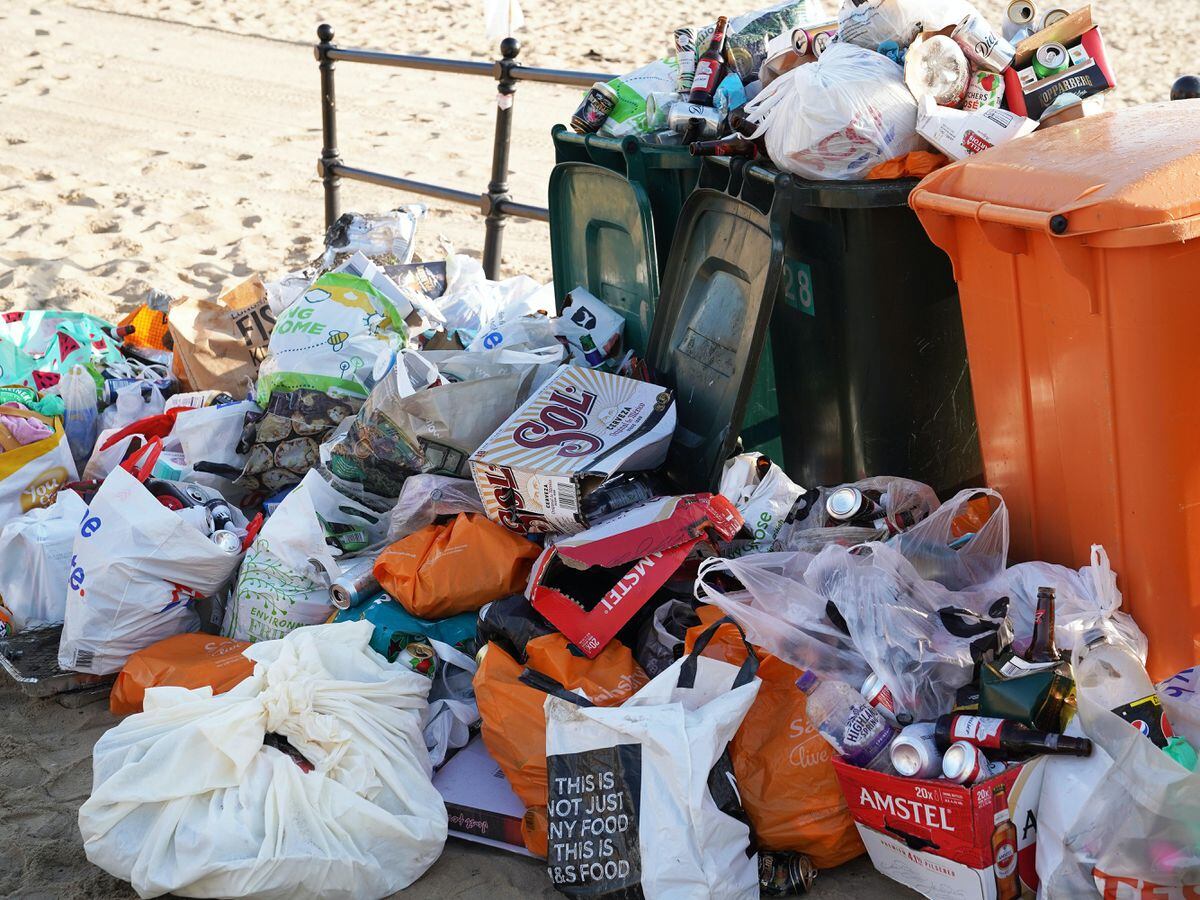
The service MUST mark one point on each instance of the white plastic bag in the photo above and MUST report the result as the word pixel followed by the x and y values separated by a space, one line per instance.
pixel 472 302
pixel 839 117
pixel 869 23
pixel 34 553
pixel 452 706
pixel 963 543
pixel 642 797
pixel 285 577
pixel 764 498
pixel 135 572
pixel 134 402
pixel 187 798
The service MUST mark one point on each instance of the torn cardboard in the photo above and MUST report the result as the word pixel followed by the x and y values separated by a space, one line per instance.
pixel 1088 75
pixel 590 585
pixel 579 429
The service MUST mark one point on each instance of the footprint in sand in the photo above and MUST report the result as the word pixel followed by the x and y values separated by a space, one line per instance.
pixel 41 32
pixel 251 221
pixel 43 176
pixel 242 157
pixel 103 226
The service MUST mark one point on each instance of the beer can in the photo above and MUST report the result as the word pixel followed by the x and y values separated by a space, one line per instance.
pixel 914 753
pixel 981 44
pixel 985 90
pixel 595 109
pixel 1051 59
pixel 1053 16
pixel 680 117
pixel 1020 15
pixel 879 695
pixel 658 108
pixel 785 873
pixel 964 763
pixel 800 41
pixel 356 583
pixel 685 55
pixel 227 541
pixel 419 657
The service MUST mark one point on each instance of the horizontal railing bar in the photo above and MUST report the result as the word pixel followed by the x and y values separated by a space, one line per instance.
pixel 466 67
pixel 523 210
pixel 558 76
pixel 453 195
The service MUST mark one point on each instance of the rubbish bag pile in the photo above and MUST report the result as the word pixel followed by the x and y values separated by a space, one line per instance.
pixel 875 89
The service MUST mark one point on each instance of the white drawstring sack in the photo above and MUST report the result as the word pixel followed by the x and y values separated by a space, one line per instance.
pixel 839 117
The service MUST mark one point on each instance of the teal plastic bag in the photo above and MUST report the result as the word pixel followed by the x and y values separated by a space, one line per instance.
pixel 396 628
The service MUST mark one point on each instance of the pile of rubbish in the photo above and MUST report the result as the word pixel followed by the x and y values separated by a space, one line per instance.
pixel 383 552
pixel 881 89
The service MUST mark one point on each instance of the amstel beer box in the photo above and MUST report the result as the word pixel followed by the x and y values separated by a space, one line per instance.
pixel 950 841
pixel 1088 74
pixel 581 427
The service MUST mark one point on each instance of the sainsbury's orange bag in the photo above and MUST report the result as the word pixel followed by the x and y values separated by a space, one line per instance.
pixel 443 570
pixel 182 660
pixel 514 723
pixel 782 764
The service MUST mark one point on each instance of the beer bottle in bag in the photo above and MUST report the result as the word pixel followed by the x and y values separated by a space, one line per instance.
pixel 1005 738
pixel 708 67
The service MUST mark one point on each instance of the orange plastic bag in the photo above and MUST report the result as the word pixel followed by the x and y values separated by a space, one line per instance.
pixel 514 723
pixel 916 164
pixel 783 766
pixel 443 570
pixel 182 660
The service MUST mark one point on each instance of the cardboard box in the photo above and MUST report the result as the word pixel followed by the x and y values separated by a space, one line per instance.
pixel 960 134
pixel 1092 76
pixel 479 801
pixel 617 566
pixel 580 428
pixel 936 836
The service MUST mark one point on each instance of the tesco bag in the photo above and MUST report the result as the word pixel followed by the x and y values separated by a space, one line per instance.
pixel 642 798
pixel 136 571
pixel 839 117
pixel 34 554
pixel 309 779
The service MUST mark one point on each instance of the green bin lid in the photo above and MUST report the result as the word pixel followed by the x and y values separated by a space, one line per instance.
pixel 602 237
pixel 717 298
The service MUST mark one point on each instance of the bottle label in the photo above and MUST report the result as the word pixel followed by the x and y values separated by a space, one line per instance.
pixel 979 730
pixel 1006 860
pixel 706 72
pixel 866 736
pixel 1015 666
pixel 1148 717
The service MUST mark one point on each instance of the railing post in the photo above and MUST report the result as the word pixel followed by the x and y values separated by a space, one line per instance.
pixel 497 190
pixel 329 151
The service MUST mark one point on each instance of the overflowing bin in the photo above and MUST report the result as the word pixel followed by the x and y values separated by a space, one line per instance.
pixel 1077 252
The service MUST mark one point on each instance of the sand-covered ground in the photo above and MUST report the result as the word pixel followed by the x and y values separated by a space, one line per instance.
pixel 172 144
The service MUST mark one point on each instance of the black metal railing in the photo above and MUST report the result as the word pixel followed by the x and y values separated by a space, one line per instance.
pixel 495 204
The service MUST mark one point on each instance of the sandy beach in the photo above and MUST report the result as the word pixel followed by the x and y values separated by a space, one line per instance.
pixel 171 144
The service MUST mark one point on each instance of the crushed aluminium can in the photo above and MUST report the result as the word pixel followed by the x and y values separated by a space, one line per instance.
pixel 785 874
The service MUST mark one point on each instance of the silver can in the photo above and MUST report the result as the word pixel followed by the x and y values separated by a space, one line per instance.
pixel 227 541
pixel 1019 17
pixel 981 44
pixel 680 118
pixel 964 763
pixel 356 583
pixel 1053 16
pixel 914 753
pixel 658 109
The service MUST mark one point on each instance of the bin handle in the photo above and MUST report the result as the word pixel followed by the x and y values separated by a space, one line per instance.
pixel 982 211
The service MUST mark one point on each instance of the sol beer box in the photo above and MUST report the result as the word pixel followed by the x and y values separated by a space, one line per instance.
pixel 1087 74
pixel 581 427
pixel 949 841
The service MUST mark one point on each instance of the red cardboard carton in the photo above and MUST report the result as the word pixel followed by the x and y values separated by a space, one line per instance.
pixel 948 840
pixel 1089 73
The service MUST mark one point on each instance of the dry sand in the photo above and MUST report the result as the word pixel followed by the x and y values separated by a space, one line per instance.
pixel 172 143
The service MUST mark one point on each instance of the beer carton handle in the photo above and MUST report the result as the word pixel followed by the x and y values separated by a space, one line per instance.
pixel 912 841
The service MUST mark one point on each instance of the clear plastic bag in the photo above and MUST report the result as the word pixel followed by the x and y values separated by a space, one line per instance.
pixel 424 498
pixel 921 639
pixel 963 543
pixel 869 23
pixel 809 528
pixel 839 117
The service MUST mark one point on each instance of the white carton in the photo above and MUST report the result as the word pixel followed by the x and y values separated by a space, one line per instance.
pixel 960 134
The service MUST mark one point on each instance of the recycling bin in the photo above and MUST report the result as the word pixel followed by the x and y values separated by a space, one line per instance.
pixel 1077 254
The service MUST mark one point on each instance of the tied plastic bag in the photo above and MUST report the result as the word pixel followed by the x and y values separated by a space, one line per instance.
pixel 658 768
pixel 185 661
pixel 783 765
pixel 922 640
pixel 329 339
pixel 763 494
pixel 425 498
pixel 839 117
pixel 869 23
pixel 963 543
pixel 35 550
pixel 308 779
pixel 443 570
pixel 514 720
pixel 136 571
pixel 285 577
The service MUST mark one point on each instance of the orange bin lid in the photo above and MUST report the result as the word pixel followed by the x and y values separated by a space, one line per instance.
pixel 1125 178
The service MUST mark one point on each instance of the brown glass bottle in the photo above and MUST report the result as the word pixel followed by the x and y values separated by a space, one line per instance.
pixel 1042 648
pixel 708 67
pixel 734 145
pixel 1006 739
pixel 1004 847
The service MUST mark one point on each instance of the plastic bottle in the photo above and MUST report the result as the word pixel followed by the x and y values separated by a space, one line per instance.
pixel 844 717
pixel 81 419
pixel 1110 672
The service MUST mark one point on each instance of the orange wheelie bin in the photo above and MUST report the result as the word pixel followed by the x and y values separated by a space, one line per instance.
pixel 1077 256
